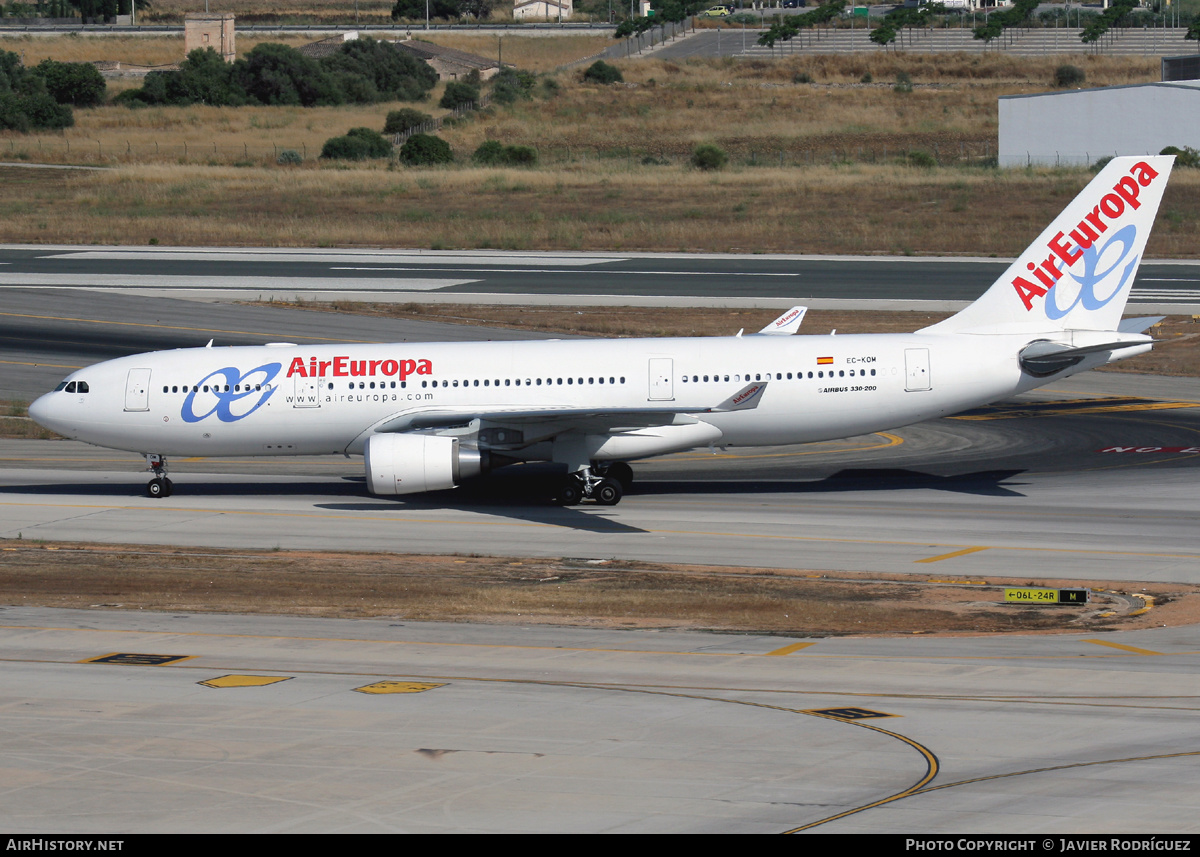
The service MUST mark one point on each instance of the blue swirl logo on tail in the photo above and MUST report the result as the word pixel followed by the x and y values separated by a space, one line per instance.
pixel 1090 278
pixel 236 397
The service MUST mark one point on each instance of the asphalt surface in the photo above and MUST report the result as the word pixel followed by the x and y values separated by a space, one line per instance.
pixel 428 275
pixel 278 724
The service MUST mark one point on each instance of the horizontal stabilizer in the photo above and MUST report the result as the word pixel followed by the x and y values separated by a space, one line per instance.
pixel 1138 325
pixel 1043 357
pixel 786 324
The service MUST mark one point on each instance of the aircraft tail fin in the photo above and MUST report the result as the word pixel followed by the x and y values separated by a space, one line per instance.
pixel 1078 274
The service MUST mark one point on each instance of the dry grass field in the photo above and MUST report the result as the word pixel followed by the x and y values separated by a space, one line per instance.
pixel 615 594
pixel 843 209
pixel 815 167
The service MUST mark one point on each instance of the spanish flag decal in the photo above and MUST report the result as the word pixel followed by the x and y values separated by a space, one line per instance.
pixel 824 361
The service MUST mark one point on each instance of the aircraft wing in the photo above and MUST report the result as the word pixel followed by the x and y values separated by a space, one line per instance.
pixel 553 420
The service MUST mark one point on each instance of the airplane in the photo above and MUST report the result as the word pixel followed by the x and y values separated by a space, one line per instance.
pixel 426 416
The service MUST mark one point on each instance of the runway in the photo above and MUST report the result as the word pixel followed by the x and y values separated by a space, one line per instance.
pixel 656 279
pixel 292 724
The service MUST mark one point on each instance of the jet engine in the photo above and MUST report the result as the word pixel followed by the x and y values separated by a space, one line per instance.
pixel 412 463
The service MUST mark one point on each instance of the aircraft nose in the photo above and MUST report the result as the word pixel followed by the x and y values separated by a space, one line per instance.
pixel 42 411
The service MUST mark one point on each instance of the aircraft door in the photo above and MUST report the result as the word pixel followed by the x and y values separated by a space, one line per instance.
pixel 662 388
pixel 137 390
pixel 916 369
pixel 307 393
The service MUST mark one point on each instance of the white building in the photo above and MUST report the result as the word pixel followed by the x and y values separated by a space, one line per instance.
pixel 1081 126
pixel 543 10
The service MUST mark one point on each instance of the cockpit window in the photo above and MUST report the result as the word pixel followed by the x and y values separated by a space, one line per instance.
pixel 71 387
pixel 83 387
pixel 62 385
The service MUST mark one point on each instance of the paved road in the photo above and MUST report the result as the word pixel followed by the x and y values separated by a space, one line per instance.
pixel 744 280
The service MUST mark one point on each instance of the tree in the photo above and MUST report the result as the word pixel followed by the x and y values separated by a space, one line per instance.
pixel 25 103
pixel 425 150
pixel 788 29
pixel 602 72
pixel 457 94
pixel 280 75
pixel 997 22
pixel 358 144
pixel 511 85
pixel 205 78
pixel 79 84
pixel 414 10
pixel 405 119
pixel 394 76
pixel 1100 25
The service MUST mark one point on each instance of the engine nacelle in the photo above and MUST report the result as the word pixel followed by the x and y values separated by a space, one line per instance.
pixel 412 463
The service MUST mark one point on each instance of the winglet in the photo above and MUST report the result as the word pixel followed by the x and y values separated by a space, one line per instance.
pixel 744 399
pixel 786 324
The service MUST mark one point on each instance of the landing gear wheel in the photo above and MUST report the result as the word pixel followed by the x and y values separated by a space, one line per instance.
pixel 157 488
pixel 608 492
pixel 570 493
pixel 621 472
pixel 168 486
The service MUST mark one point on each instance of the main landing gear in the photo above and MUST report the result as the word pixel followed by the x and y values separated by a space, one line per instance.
pixel 603 482
pixel 160 486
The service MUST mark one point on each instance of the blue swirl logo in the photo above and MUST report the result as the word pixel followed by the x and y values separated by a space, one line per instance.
pixel 1090 277
pixel 235 397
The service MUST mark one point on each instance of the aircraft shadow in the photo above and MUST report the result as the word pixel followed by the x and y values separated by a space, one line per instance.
pixel 523 497
pixel 986 483
pixel 205 488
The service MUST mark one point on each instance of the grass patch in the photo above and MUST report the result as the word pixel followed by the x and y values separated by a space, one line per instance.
pixel 610 594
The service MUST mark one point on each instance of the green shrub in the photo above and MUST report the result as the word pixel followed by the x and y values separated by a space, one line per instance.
pixel 489 154
pixel 492 154
pixel 921 158
pixel 903 83
pixel 425 150
pixel 405 119
pixel 358 144
pixel 344 148
pixel 458 94
pixel 79 84
pixel 289 158
pixel 521 156
pixel 708 156
pixel 1185 157
pixel 602 72
pixel 1069 75
pixel 511 85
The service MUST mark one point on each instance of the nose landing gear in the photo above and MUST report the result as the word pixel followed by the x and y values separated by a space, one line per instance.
pixel 160 486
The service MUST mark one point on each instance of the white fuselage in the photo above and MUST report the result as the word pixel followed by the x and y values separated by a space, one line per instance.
pixel 289 400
